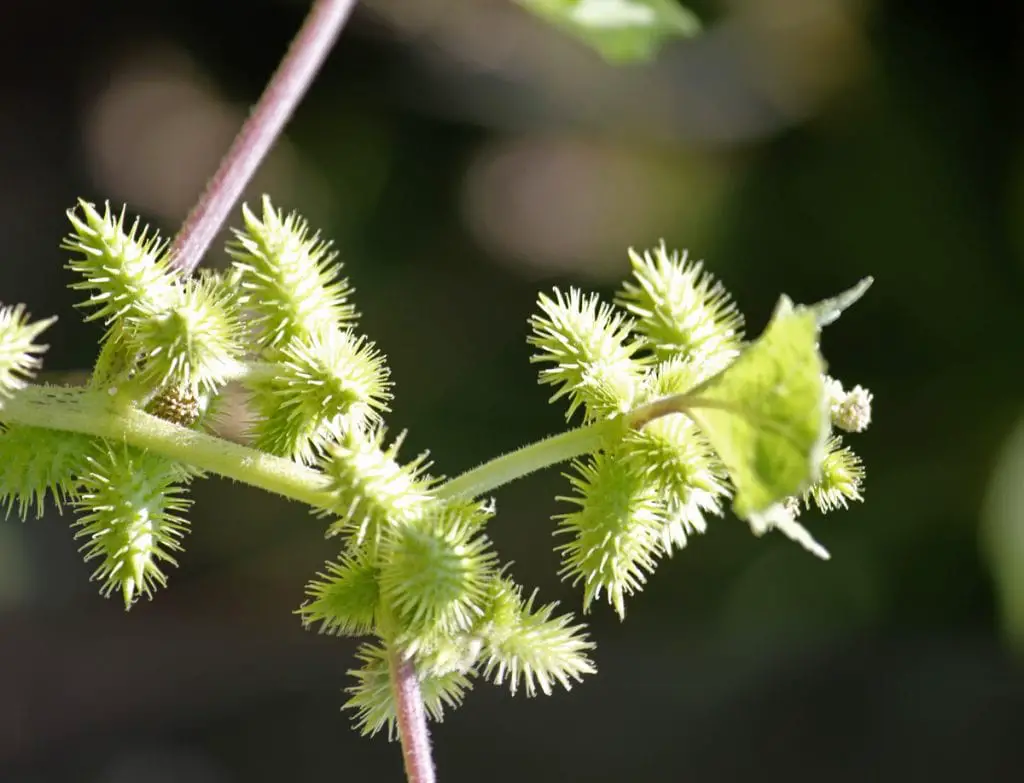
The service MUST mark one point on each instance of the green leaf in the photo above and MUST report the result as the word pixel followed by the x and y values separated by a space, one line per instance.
pixel 767 415
pixel 622 31
pixel 827 311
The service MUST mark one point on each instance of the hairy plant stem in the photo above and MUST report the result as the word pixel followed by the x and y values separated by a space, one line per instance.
pixel 526 460
pixel 92 412
pixel 412 720
pixel 562 447
pixel 283 92
pixel 95 413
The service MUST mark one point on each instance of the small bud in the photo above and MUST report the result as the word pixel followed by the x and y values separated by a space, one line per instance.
pixel 849 410
pixel 177 404
pixel 853 414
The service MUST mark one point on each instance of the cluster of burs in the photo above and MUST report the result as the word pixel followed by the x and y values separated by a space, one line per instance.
pixel 416 571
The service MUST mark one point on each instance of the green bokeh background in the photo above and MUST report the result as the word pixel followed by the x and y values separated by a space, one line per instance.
pixel 462 156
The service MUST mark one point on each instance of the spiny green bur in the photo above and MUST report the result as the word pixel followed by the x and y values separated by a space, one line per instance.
pixel 678 415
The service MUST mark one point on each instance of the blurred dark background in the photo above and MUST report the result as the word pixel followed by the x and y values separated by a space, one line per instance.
pixel 463 155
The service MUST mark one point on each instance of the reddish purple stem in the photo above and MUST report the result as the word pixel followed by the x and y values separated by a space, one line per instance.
pixel 283 92
pixel 286 88
pixel 412 722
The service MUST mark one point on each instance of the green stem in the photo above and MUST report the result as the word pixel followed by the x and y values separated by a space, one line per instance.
pixel 525 460
pixel 95 413
pixel 92 413
pixel 562 447
pixel 640 417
